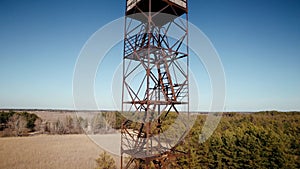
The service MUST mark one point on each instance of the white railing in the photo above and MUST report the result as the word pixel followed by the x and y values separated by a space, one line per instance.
pixel 181 3
pixel 131 4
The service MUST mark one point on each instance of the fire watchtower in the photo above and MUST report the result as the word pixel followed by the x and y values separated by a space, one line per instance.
pixel 155 80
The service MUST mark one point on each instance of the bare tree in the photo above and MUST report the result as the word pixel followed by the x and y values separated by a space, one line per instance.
pixel 18 125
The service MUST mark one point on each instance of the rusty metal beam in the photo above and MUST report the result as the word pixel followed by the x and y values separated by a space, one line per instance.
pixel 164 85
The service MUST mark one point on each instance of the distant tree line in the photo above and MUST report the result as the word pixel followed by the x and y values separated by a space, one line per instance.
pixel 68 125
pixel 24 124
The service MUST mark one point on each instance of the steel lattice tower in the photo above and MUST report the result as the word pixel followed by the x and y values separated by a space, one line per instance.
pixel 155 81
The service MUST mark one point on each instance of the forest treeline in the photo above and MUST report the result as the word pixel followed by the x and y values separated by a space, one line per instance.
pixel 255 140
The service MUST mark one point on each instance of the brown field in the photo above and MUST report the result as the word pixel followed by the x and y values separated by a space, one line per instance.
pixel 48 151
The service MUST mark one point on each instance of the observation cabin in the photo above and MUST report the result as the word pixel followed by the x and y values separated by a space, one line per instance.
pixel 176 8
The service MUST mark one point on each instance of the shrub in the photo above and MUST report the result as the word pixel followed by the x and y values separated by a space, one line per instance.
pixel 105 161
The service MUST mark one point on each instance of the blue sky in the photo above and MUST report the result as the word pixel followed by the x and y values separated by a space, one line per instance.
pixel 258 42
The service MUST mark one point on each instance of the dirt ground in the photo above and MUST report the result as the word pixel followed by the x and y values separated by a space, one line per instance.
pixel 49 151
